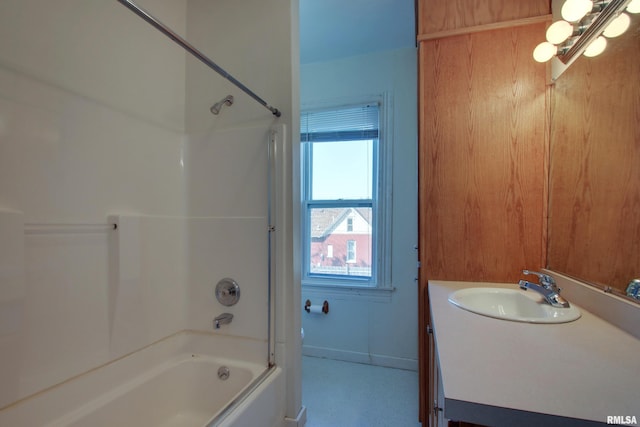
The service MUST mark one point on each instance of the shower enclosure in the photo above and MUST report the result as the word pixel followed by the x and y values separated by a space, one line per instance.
pixel 123 201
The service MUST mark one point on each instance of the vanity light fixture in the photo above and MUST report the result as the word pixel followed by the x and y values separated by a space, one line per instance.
pixel 559 32
pixel 618 26
pixel 634 6
pixel 575 10
pixel 545 51
pixel 584 29
pixel 596 47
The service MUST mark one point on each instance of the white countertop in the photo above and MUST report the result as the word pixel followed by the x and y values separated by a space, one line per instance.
pixel 502 373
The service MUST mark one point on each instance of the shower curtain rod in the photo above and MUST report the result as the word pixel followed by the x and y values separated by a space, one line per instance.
pixel 195 52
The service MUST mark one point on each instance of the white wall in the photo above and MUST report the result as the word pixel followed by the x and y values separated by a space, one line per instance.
pixel 105 120
pixel 378 329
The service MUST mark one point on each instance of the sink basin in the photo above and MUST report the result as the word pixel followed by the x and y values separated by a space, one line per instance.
pixel 512 304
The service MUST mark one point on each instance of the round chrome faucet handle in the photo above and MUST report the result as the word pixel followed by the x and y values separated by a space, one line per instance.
pixel 227 292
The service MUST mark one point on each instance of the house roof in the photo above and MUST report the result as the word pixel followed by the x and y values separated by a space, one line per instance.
pixel 325 220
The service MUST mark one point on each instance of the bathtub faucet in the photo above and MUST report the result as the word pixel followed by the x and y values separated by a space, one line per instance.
pixel 223 319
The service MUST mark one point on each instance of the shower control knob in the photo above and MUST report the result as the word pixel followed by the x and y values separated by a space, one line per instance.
pixel 227 292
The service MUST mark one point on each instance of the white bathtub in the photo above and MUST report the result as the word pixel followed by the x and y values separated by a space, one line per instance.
pixel 173 382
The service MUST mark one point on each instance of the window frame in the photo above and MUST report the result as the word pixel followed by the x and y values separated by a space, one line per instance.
pixel 380 204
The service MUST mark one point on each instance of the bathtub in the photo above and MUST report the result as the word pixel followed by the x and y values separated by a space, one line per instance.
pixel 173 382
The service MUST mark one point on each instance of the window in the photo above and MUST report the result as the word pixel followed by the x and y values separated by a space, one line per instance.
pixel 342 232
pixel 351 251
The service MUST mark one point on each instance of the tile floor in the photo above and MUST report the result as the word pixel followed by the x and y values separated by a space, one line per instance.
pixel 344 394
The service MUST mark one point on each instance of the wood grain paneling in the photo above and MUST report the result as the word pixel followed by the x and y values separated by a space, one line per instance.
pixel 594 224
pixel 483 149
pixel 482 156
pixel 487 27
pixel 442 15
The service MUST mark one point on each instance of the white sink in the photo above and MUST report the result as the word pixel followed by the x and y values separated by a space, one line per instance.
pixel 512 304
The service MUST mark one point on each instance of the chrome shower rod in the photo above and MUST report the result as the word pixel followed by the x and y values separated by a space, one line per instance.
pixel 195 52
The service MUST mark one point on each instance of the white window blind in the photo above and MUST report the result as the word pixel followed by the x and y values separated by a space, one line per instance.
pixel 344 124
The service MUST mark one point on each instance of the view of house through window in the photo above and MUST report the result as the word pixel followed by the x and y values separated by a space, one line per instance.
pixel 336 250
pixel 340 149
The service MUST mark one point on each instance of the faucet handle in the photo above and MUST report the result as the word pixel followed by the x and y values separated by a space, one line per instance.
pixel 545 280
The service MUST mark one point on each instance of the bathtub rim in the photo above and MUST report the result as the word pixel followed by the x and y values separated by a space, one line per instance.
pixel 53 401
pixel 234 404
pixel 178 361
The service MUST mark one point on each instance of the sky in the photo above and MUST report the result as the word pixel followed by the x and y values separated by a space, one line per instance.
pixel 342 170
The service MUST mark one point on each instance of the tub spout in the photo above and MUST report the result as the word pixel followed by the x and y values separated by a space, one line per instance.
pixel 223 319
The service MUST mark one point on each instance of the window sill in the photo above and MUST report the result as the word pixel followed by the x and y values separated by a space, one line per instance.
pixel 370 293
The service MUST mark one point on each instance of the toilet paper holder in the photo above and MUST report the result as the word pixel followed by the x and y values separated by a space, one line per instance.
pixel 325 306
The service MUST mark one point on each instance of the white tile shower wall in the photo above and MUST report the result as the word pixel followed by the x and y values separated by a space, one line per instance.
pixel 84 308
pixel 256 41
pixel 234 248
pixel 102 51
pixel 227 186
pixel 227 172
pixel 91 123
pixel 250 39
pixel 65 158
pixel 226 155
pixel 65 319
pixel 147 293
pixel 12 299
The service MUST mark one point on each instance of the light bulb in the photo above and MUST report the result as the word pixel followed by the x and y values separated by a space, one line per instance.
pixel 617 26
pixel 559 31
pixel 596 47
pixel 544 52
pixel 634 6
pixel 575 10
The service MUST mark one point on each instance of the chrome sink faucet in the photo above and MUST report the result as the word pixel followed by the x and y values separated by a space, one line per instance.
pixel 223 319
pixel 547 288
